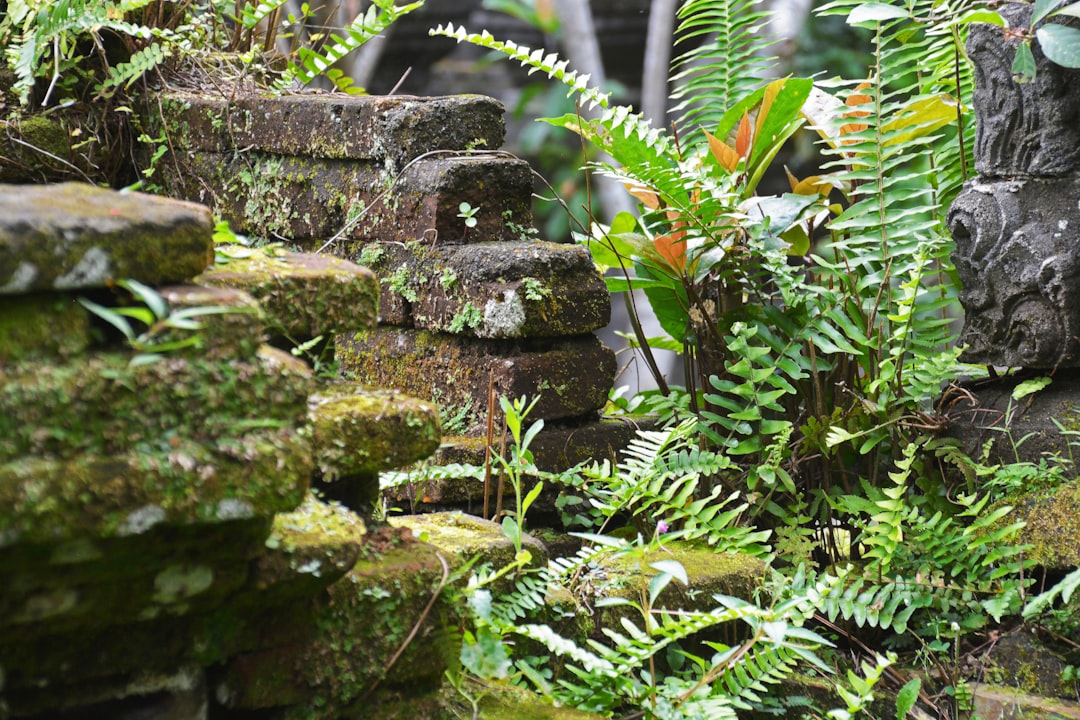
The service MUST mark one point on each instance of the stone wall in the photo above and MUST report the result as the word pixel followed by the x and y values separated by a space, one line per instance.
pixel 161 553
pixel 465 309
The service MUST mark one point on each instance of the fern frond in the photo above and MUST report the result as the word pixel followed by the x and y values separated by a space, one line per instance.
pixel 729 62
pixel 313 63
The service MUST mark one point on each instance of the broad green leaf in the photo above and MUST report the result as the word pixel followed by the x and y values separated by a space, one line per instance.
pixel 1060 43
pixel 1030 387
pixel 531 497
pixel 981 15
pixel 673 568
pixel 1041 9
pixel 109 316
pixel 875 12
pixel 920 118
pixel 146 295
pixel 1073 10
pixel 511 529
pixel 668 306
pixel 1023 67
pixel 906 698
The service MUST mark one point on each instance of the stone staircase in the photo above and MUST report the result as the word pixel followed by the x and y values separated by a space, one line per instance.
pixel 464 311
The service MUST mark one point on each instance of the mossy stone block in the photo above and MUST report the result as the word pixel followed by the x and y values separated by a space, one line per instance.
pixel 230 321
pixel 42 326
pixel 305 200
pixel 73 236
pixel 992 702
pixel 1052 526
pixel 571 376
pixel 101 404
pixel 179 482
pixel 424 203
pixel 356 430
pixel 492 290
pixel 382 128
pixel 362 622
pixel 308 548
pixel 303 295
pixel 462 537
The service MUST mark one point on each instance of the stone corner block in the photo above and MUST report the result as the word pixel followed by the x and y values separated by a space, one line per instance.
pixel 72 236
pixel 303 295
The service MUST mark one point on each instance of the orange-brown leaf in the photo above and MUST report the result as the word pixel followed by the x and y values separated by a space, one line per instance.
pixel 728 158
pixel 672 248
pixel 744 137
pixel 771 91
pixel 856 99
pixel 647 197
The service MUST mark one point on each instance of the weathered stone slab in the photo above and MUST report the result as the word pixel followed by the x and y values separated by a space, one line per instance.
pixel 492 290
pixel 1017 259
pixel 395 129
pixel 311 200
pixel 363 620
pixel 180 482
pixel 571 375
pixel 308 548
pixel 303 295
pixel 360 431
pixel 230 327
pixel 173 588
pixel 710 573
pixel 72 236
pixel 176 695
pixel 998 703
pixel 101 404
pixel 41 326
pixel 463 537
pixel 979 418
pixel 424 202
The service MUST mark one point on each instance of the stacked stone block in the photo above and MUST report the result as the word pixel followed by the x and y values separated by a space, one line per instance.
pixel 158 543
pixel 467 309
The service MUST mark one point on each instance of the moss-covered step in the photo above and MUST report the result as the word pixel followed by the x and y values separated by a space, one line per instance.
pixel 179 694
pixel 1051 526
pixel 491 290
pixel 379 630
pixel 998 703
pixel 280 568
pixel 462 537
pixel 313 201
pixel 570 375
pixel 230 321
pixel 394 129
pixel 555 448
pixel 424 203
pixel 357 430
pixel 102 404
pixel 73 236
pixel 179 481
pixel 303 295
pixel 42 326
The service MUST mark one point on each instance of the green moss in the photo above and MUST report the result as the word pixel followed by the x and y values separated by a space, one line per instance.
pixel 304 295
pixel 41 326
pixel 357 431
pixel 103 405
pixel 1052 527
pixel 120 495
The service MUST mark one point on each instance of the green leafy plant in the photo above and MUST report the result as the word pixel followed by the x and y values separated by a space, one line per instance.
pixel 468 213
pixel 166 330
